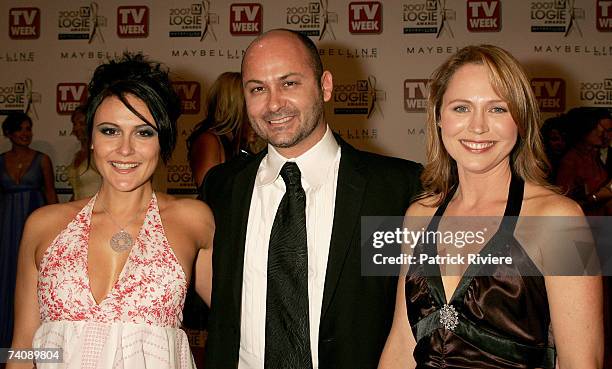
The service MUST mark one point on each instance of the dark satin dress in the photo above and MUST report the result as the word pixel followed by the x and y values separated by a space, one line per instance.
pixel 503 316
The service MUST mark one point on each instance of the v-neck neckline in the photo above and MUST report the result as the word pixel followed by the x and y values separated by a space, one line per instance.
pixel 17 182
pixel 111 292
pixel 434 275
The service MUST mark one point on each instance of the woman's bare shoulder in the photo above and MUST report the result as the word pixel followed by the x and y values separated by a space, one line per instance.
pixel 541 201
pixel 423 207
pixel 51 215
pixel 45 223
pixel 185 209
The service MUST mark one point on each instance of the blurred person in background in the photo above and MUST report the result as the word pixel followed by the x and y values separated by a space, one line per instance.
pixel 554 137
pixel 82 174
pixel 223 134
pixel 582 174
pixel 26 183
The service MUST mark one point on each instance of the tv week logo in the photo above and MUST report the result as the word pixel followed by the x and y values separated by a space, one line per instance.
pixel 189 92
pixel 484 15
pixel 550 93
pixel 70 96
pixel 24 23
pixel 604 15
pixel 132 21
pixel 415 95
pixel 246 19
pixel 365 17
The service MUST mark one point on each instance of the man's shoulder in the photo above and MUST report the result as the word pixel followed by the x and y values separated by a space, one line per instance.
pixel 232 167
pixel 381 163
pixel 219 177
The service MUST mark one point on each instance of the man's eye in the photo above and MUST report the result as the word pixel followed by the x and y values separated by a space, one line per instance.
pixel 290 83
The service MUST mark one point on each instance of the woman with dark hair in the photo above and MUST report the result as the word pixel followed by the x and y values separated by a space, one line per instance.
pixel 105 278
pixel 225 132
pixel 582 174
pixel 485 158
pixel 554 137
pixel 26 183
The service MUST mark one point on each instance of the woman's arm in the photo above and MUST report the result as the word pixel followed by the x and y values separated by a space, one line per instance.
pixel 27 315
pixel 397 353
pixel 49 180
pixel 575 302
pixel 206 152
pixel 577 320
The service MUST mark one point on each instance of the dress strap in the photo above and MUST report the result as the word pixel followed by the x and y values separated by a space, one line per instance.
pixel 514 203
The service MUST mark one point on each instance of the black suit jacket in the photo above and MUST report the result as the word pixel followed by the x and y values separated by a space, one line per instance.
pixel 357 311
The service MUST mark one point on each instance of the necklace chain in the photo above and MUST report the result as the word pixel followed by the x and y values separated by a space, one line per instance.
pixel 113 219
pixel 122 240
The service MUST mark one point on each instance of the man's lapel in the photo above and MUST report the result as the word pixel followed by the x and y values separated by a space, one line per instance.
pixel 349 198
pixel 240 203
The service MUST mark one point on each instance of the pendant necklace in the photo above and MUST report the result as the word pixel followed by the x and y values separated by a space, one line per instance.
pixel 122 240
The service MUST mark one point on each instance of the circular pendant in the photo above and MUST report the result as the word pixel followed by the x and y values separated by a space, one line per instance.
pixel 121 241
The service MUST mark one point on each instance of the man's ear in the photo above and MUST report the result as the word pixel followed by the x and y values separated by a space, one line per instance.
pixel 327 85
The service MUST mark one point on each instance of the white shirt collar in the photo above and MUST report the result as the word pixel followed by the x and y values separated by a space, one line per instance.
pixel 313 164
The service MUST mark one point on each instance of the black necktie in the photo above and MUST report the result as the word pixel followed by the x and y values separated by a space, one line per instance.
pixel 287 323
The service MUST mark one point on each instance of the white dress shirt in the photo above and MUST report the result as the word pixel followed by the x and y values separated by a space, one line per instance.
pixel 319 168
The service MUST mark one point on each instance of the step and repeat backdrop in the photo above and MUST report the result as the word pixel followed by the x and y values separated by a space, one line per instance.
pixel 381 54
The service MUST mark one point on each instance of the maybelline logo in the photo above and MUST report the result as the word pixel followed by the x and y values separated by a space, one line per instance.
pixel 189 92
pixel 364 53
pixel 93 55
pixel 429 16
pixel 596 93
pixel 19 96
pixel 246 19
pixel 359 98
pixel 556 16
pixel 595 50
pixel 604 15
pixel 17 56
pixel 484 15
pixel 305 18
pixel 550 93
pixel 24 23
pixel 217 53
pixel 81 23
pixel 365 17
pixel 195 20
pixel 415 95
pixel 69 95
pixel 357 133
pixel 133 21
pixel 431 50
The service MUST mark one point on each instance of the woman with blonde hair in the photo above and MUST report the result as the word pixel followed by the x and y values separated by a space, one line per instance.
pixel 219 137
pixel 485 158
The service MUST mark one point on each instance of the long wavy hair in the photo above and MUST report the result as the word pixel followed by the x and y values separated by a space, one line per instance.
pixel 226 110
pixel 511 83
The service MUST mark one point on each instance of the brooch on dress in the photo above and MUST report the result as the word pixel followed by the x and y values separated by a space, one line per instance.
pixel 449 317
